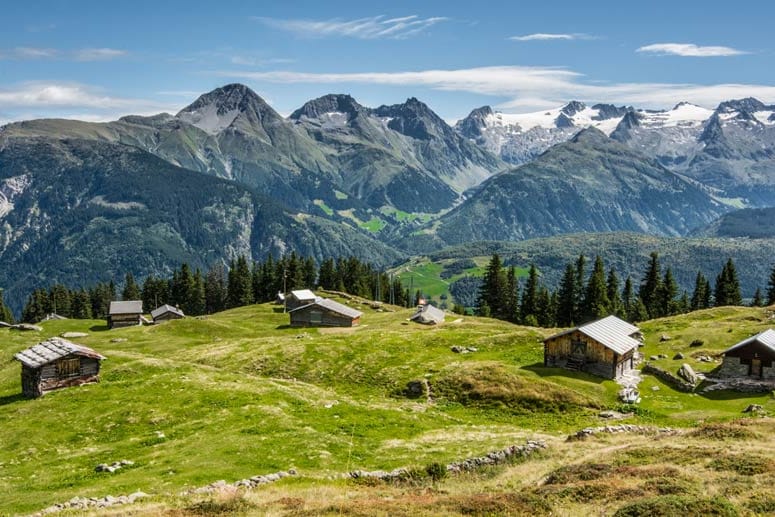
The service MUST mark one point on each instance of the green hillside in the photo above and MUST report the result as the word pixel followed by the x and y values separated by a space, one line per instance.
pixel 240 393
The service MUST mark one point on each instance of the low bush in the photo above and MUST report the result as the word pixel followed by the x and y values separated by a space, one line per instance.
pixel 672 505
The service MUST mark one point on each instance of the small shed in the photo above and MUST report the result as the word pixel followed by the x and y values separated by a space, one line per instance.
pixel 300 298
pixel 166 312
pixel 605 347
pixel 751 358
pixel 125 314
pixel 325 313
pixel 57 363
pixel 428 315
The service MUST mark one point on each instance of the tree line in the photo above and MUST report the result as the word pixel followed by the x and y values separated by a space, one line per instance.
pixel 582 297
pixel 221 287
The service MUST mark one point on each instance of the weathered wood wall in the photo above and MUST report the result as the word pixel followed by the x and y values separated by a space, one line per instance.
pixel 37 381
pixel 124 320
pixel 303 318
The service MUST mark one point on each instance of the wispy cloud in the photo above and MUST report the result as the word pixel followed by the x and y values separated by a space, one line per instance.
pixel 525 88
pixel 543 36
pixel 376 27
pixel 689 50
pixel 84 54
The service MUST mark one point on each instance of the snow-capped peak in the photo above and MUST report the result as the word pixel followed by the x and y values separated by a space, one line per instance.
pixel 684 114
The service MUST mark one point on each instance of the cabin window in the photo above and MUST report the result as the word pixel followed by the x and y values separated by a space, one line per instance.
pixel 315 317
pixel 69 367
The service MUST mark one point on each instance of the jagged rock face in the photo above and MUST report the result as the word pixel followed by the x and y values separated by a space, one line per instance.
pixel 329 104
pixel 589 184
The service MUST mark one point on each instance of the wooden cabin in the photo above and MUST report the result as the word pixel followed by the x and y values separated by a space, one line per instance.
pixel 605 347
pixel 751 358
pixel 166 313
pixel 428 315
pixel 325 313
pixel 125 314
pixel 57 363
pixel 299 298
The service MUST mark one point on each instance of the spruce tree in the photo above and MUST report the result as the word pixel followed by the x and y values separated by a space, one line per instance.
pixel 758 299
pixel 668 290
pixel 81 305
pixel 327 276
pixel 615 304
pixel 529 306
pixel 493 289
pixel 700 295
pixel 544 308
pixel 5 313
pixel 771 287
pixel 628 300
pixel 727 290
pixel 566 298
pixel 130 291
pixel 650 286
pixel 240 284
pixel 580 275
pixel 595 304
pixel 215 289
pixel 512 296
pixel 196 296
pixel 59 300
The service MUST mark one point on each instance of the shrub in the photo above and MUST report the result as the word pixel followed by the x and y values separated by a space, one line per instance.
pixel 670 505
pixel 744 465
pixel 581 472
pixel 697 343
pixel 436 471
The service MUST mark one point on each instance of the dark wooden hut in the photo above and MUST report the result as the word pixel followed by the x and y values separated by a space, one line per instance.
pixel 299 298
pixel 751 358
pixel 57 363
pixel 428 315
pixel 166 313
pixel 325 313
pixel 605 347
pixel 125 314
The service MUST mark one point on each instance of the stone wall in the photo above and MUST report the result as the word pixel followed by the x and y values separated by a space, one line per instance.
pixel 669 378
pixel 731 367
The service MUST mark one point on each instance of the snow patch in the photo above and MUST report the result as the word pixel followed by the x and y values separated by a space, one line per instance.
pixel 765 117
pixel 10 189
pixel 209 120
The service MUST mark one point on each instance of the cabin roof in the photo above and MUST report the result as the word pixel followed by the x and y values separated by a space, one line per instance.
pixel 429 313
pixel 52 349
pixel 158 311
pixel 126 307
pixel 332 306
pixel 303 294
pixel 766 338
pixel 610 331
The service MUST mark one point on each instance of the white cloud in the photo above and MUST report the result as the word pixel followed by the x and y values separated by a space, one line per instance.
pixel 98 54
pixel 543 36
pixel 376 27
pixel 529 88
pixel 689 50
pixel 84 54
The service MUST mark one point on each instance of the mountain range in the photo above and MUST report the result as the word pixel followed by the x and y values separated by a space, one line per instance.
pixel 228 175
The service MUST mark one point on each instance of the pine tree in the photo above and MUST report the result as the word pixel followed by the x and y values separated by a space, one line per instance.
pixel 529 306
pixel 650 286
pixel 595 303
pixel 130 291
pixel 37 306
pixel 771 287
pixel 215 289
pixel 566 298
pixel 81 305
pixel 579 277
pixel 682 305
pixel 758 299
pixel 59 300
pixel 639 311
pixel 309 272
pixel 240 289
pixel 100 296
pixel 5 313
pixel 512 296
pixel 493 290
pixel 327 276
pixel 196 296
pixel 668 290
pixel 544 308
pixel 615 304
pixel 629 301
pixel 701 295
pixel 727 290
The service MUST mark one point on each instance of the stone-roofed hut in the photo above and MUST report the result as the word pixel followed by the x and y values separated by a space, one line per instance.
pixel 299 298
pixel 166 313
pixel 751 358
pixel 325 313
pixel 125 314
pixel 605 347
pixel 57 363
pixel 428 315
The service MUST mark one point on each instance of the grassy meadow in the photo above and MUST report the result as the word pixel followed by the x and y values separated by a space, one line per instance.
pixel 240 393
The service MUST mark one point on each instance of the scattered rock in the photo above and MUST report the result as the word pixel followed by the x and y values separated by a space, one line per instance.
pixel 653 358
pixel 696 343
pixel 71 335
pixel 620 428
pixel 664 337
pixel 687 373
pixel 118 340
pixel 457 349
pixel 662 356
pixel 611 415
pixel 753 408
pixel 116 465
pixel 677 356
pixel 27 327
pixel 705 359
pixel 249 483
pixel 417 389
pixel 83 503
pixel 655 388
pixel 463 349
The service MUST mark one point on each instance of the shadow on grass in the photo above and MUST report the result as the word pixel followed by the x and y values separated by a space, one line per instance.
pixel 545 371
pixel 10 399
pixel 727 394
pixel 98 328
pixel 278 310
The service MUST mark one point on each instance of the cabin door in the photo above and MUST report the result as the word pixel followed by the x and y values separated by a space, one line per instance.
pixel 756 367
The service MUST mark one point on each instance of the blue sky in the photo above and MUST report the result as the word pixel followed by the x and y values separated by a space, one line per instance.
pixel 99 60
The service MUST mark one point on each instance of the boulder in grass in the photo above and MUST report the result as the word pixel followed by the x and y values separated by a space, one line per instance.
pixel 687 373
